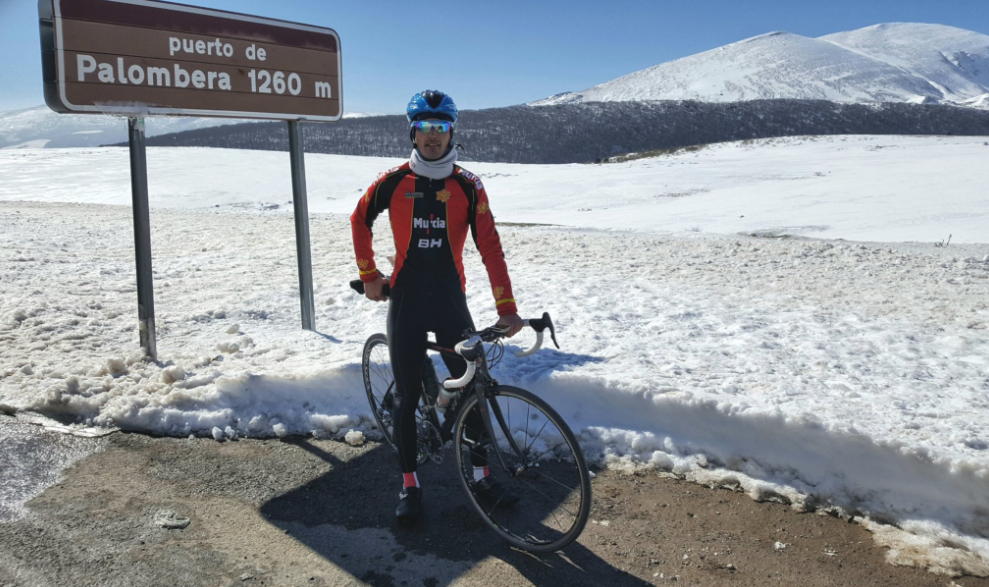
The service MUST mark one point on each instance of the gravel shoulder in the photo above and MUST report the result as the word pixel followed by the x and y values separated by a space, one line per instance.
pixel 300 511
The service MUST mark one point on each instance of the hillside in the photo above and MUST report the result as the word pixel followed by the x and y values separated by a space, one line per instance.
pixel 583 133
pixel 41 127
pixel 900 62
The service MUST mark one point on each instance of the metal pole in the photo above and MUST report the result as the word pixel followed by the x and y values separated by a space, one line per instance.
pixel 142 236
pixel 301 225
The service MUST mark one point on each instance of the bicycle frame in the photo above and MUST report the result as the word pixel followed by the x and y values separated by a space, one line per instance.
pixel 479 385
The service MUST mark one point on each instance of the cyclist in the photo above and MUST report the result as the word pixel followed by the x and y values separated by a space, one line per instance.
pixel 431 203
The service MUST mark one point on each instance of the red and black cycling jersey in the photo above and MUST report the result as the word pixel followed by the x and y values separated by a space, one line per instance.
pixel 429 222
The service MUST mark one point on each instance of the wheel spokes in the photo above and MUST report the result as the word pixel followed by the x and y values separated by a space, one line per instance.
pixel 552 499
pixel 379 381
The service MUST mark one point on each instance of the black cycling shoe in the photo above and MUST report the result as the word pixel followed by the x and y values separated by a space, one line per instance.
pixel 491 489
pixel 410 505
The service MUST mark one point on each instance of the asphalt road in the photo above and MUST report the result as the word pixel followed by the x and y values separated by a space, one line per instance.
pixel 311 512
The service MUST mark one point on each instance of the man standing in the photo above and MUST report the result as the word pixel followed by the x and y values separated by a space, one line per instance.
pixel 432 202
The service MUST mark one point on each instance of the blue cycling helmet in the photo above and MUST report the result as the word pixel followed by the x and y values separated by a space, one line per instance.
pixel 431 104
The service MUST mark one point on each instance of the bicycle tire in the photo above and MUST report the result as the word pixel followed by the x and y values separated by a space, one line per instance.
pixel 379 381
pixel 532 524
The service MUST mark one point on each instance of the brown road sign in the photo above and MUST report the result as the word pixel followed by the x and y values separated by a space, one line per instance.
pixel 146 57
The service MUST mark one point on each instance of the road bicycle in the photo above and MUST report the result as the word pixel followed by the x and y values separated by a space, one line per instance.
pixel 528 446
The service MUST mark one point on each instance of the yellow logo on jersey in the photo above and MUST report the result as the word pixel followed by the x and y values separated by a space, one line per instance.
pixel 482 208
pixel 498 291
pixel 363 263
pixel 443 196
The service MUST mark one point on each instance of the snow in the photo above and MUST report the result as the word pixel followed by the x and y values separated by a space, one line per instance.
pixel 363 114
pixel 782 316
pixel 895 62
pixel 821 187
pixel 41 127
pixel 978 102
pixel 35 144
pixel 944 56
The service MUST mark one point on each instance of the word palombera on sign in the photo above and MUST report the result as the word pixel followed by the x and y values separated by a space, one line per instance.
pixel 141 57
pixel 155 76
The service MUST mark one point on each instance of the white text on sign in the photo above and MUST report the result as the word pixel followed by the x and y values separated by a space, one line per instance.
pixel 116 70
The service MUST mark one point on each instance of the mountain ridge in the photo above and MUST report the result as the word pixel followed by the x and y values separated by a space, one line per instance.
pixel 40 127
pixel 888 62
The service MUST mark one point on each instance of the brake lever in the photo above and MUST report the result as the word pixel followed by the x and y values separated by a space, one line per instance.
pixel 552 330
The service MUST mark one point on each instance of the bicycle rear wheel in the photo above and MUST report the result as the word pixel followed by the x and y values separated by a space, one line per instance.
pixel 379 383
pixel 548 472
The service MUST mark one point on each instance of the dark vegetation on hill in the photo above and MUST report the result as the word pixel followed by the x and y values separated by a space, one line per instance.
pixel 588 132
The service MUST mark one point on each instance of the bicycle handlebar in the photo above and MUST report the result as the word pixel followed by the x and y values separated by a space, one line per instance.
pixel 540 325
pixel 468 349
pixel 532 350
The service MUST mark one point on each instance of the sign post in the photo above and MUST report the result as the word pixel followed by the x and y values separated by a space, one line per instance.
pixel 142 237
pixel 301 209
pixel 138 58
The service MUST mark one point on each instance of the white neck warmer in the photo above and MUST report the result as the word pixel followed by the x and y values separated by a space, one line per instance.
pixel 439 169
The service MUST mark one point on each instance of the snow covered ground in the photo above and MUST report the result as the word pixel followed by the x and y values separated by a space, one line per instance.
pixel 714 339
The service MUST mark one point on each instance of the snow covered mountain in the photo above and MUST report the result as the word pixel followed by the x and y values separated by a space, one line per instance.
pixel 40 127
pixel 900 62
pixel 953 60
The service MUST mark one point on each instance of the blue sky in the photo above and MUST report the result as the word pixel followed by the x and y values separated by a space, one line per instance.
pixel 496 53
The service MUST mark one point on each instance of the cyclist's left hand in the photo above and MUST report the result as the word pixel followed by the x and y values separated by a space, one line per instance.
pixel 512 322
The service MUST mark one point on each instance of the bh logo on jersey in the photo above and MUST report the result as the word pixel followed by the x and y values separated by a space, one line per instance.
pixel 429 224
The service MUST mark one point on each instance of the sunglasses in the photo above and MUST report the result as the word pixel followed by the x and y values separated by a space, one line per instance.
pixel 427 126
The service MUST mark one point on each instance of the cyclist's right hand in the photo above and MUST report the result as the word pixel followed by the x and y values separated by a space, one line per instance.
pixel 373 290
pixel 511 323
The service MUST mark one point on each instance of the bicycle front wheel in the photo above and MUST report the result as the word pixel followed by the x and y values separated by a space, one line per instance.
pixel 544 499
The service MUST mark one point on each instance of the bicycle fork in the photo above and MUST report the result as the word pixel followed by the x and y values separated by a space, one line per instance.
pixel 483 402
pixel 479 387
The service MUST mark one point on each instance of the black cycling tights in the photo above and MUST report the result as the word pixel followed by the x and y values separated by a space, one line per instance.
pixel 411 315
